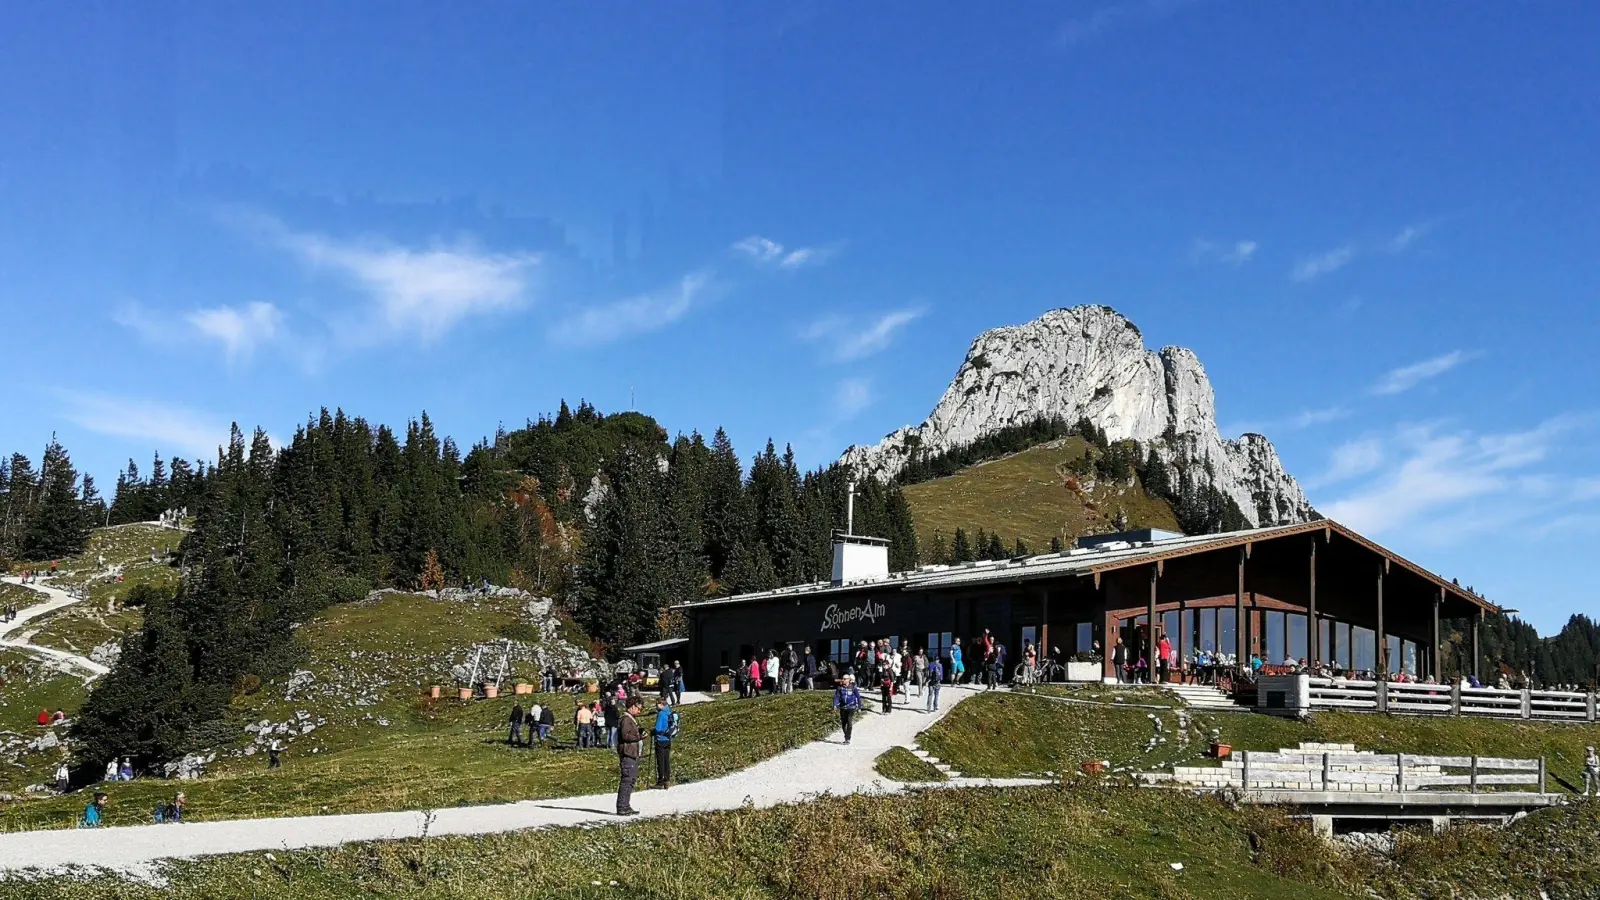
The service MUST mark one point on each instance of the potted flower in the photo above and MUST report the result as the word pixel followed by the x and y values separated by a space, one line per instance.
pixel 722 684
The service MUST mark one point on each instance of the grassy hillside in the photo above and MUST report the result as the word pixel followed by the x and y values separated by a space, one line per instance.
pixel 1017 734
pixel 1088 840
pixel 1031 495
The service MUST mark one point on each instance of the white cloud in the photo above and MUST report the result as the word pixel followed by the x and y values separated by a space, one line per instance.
pixel 1406 237
pixel 1351 459
pixel 239 331
pixel 1314 267
pixel 1116 15
pixel 639 314
pixel 767 252
pixel 1236 254
pixel 164 427
pixel 1309 417
pixel 421 292
pixel 848 338
pixel 1405 378
pixel 852 396
pixel 1445 486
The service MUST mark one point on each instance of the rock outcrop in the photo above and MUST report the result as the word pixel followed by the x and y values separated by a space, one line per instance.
pixel 1089 362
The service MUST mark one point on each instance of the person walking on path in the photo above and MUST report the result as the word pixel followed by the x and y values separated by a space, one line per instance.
pixel 956 667
pixel 664 730
pixel 886 687
pixel 1163 659
pixel 935 675
pixel 1119 661
pixel 847 700
pixel 515 737
pixel 627 759
pixel 275 754
pixel 111 770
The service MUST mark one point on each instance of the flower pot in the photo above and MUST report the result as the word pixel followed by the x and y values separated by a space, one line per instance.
pixel 524 688
pixel 1221 751
pixel 722 687
pixel 491 691
pixel 465 693
pixel 1093 767
pixel 433 692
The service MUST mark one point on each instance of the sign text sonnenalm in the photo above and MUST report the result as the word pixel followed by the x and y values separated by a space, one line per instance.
pixel 868 611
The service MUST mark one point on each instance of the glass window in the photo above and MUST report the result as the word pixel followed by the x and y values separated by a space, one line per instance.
pixel 1396 657
pixel 1085 643
pixel 1324 636
pixel 1030 635
pixel 1410 657
pixel 1275 637
pixel 1363 649
pixel 1208 630
pixel 1297 636
pixel 939 645
pixel 1227 631
pixel 1169 627
pixel 839 650
pixel 1342 650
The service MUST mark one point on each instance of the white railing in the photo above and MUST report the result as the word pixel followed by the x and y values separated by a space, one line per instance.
pixel 1384 772
pixel 1451 700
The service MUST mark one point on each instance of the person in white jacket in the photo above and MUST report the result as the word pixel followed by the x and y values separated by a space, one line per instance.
pixel 63 777
pixel 772 668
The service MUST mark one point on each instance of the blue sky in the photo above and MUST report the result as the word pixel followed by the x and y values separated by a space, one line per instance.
pixel 1375 223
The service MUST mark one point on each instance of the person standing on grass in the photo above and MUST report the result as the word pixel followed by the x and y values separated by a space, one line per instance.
pixel 935 675
pixel 665 729
pixel 532 721
pixel 847 700
pixel 755 675
pixel 515 737
pixel 810 663
pixel 94 812
pixel 628 740
pixel 677 683
pixel 1591 771
pixel 547 723
pixel 773 667
pixel 63 779
pixel 584 718
pixel 275 754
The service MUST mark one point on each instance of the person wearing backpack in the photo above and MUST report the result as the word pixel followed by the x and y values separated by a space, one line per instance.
pixel 935 675
pixel 847 700
pixel 665 729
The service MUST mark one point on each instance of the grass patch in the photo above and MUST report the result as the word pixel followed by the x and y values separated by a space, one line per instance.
pixel 28 685
pixel 1009 735
pixel 1043 842
pixel 1030 495
pixel 451 754
pixel 900 764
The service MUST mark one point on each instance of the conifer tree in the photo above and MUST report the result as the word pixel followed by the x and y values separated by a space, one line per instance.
pixel 58 526
pixel 960 550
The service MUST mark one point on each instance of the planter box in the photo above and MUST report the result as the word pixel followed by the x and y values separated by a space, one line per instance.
pixel 465 693
pixel 1084 671
pixel 433 692
pixel 524 688
pixel 1221 751
pixel 491 691
pixel 722 687
pixel 1093 767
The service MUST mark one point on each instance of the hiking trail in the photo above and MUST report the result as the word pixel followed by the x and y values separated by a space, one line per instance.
pixel 58 599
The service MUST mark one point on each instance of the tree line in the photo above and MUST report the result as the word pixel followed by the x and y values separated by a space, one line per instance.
pixel 601 511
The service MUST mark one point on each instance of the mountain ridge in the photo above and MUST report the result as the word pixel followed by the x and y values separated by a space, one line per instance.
pixel 1090 362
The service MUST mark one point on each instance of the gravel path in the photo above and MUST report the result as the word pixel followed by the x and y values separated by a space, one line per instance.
pixel 821 767
pixel 58 599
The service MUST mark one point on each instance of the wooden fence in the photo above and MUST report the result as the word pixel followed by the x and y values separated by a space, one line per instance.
pixel 1452 700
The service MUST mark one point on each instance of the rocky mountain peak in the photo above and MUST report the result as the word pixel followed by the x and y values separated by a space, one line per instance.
pixel 1090 362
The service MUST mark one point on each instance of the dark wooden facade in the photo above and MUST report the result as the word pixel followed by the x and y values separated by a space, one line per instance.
pixel 1319 571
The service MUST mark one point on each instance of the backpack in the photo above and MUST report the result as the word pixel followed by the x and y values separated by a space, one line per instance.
pixel 672 725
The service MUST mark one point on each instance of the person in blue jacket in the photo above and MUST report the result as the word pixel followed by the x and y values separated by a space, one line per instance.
pixel 665 729
pixel 957 668
pixel 93 813
pixel 847 700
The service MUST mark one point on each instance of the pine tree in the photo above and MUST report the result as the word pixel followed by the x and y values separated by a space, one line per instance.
pixel 432 575
pixel 727 519
pixel 960 550
pixel 624 570
pixel 938 552
pixel 58 526
pixel 997 550
pixel 1019 549
pixel 1056 546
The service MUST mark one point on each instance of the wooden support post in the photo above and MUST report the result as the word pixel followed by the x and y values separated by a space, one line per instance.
pixel 1183 641
pixel 1150 629
pixel 1474 773
pixel 1313 631
pixel 1044 626
pixel 1241 628
pixel 1438 652
pixel 1477 655
pixel 1527 703
pixel 1381 650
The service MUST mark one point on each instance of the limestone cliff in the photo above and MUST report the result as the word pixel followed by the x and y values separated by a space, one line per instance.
pixel 1091 362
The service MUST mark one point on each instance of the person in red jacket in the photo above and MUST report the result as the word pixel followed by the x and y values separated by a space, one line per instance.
pixel 755 675
pixel 44 717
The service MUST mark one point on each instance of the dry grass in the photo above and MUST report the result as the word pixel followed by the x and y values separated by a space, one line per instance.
pixel 1031 496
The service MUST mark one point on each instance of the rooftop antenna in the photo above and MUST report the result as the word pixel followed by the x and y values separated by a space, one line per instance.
pixel 850 510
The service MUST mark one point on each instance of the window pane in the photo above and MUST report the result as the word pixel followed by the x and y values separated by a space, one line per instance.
pixel 1297 636
pixel 1363 649
pixel 1396 657
pixel 1324 635
pixel 1085 641
pixel 1274 628
pixel 1227 631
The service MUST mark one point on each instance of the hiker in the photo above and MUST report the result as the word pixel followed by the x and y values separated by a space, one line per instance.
pixel 44 718
pixel 547 680
pixel 1030 662
pixel 847 700
pixel 167 813
pixel 111 770
pixel 63 778
pixel 547 723
pixel 809 680
pixel 274 754
pixel 1119 661
pixel 956 668
pixel 665 729
pixel 772 672
pixel 886 686
pixel 677 683
pixel 126 772
pixel 59 718
pixel 602 733
pixel 515 737
pixel 1591 772
pixel 935 675
pixel 919 669
pixel 755 676
pixel 627 759
pixel 999 664
pixel 93 812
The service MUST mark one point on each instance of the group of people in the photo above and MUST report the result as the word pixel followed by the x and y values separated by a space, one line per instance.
pixel 539 721
pixel 774 673
pixel 46 719
pixel 630 738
